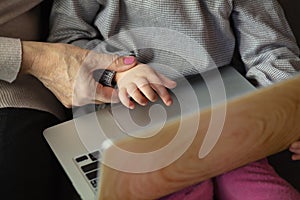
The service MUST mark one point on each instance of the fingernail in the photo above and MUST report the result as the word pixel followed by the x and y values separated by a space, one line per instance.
pixel 131 107
pixel 129 60
pixel 169 102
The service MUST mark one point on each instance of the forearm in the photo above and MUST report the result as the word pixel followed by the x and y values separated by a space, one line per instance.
pixel 266 43
pixel 31 53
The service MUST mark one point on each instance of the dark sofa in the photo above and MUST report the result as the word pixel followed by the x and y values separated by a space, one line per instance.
pixel 288 169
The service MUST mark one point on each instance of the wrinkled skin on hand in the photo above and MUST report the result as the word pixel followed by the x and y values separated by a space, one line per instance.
pixel 67 71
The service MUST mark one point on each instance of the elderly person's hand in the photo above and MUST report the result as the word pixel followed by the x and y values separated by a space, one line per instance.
pixel 67 71
pixel 295 149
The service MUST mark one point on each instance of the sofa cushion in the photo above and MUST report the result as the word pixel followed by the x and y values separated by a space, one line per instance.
pixel 291 9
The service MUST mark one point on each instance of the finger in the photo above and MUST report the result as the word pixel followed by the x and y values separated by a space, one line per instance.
pixel 161 90
pixel 106 94
pixel 123 95
pixel 146 89
pixel 295 145
pixel 163 93
pixel 96 60
pixel 122 63
pixel 166 81
pixel 135 93
pixel 295 150
pixel 295 157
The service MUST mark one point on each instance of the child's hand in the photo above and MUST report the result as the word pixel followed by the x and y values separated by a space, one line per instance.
pixel 295 148
pixel 142 83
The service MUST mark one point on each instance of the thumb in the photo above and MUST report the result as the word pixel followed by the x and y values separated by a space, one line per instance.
pixel 94 61
pixel 122 63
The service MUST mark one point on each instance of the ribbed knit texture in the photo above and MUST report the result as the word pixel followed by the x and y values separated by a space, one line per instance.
pixel 26 91
pixel 257 28
pixel 10 59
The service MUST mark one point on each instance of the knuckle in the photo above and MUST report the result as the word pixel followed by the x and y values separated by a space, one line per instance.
pixel 115 61
pixel 142 83
pixel 132 88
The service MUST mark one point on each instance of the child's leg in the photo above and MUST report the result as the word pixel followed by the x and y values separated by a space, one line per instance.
pixel 255 181
pixel 203 191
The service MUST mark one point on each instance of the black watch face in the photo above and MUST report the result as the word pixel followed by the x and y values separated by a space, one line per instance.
pixel 104 77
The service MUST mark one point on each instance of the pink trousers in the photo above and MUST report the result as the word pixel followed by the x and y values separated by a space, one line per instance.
pixel 255 181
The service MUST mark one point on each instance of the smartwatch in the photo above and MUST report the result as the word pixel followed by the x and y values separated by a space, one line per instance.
pixel 105 77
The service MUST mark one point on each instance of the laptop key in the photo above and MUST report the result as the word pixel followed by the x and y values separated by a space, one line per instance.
pixel 90 167
pixel 94 183
pixel 94 156
pixel 92 175
pixel 81 158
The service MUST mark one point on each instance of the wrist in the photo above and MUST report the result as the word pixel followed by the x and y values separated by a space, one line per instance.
pixel 31 52
pixel 117 77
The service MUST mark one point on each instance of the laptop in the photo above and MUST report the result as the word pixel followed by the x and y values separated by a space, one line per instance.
pixel 79 144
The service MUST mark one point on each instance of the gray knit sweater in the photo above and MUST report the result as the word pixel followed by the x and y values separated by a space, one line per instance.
pixel 183 34
pixel 20 19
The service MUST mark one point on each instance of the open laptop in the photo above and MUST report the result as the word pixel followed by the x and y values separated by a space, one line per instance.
pixel 79 144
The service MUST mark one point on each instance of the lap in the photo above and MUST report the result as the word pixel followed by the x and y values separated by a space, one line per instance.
pixel 28 168
pixel 257 180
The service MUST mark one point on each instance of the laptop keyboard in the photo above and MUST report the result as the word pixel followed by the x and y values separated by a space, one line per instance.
pixel 88 164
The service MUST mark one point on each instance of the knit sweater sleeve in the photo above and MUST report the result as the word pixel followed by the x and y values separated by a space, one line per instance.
pixel 10 58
